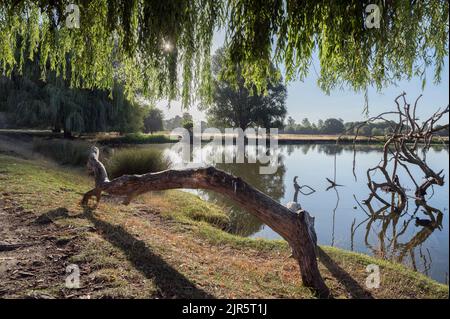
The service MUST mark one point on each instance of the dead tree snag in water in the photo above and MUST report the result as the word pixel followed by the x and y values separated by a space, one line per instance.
pixel 293 226
pixel 402 147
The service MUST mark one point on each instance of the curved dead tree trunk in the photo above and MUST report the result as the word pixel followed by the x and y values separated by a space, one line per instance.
pixel 294 226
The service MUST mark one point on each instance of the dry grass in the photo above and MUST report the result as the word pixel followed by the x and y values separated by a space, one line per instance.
pixel 166 245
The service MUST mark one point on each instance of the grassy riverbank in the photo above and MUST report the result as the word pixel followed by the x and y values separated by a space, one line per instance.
pixel 112 139
pixel 163 245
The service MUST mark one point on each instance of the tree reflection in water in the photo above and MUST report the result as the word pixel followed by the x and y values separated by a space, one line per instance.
pixel 391 228
pixel 342 218
pixel 334 186
pixel 243 223
pixel 390 246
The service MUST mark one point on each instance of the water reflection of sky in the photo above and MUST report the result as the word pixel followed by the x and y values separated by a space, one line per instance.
pixel 313 163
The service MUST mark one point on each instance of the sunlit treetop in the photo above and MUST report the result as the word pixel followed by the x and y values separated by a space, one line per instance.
pixel 161 48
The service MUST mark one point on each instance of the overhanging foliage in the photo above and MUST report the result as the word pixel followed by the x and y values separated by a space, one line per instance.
pixel 162 48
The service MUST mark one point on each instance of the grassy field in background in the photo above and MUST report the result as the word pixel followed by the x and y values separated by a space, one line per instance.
pixel 115 139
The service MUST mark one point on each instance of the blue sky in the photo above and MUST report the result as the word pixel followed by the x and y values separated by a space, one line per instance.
pixel 306 99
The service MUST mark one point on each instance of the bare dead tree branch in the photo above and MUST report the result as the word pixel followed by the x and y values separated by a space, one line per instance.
pixel 294 224
pixel 402 143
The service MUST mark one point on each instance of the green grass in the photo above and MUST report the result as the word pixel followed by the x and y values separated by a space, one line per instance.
pixel 135 161
pixel 40 184
pixel 188 207
pixel 206 220
pixel 137 138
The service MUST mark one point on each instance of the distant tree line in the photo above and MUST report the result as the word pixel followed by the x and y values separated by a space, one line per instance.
pixel 329 126
pixel 338 126
pixel 178 121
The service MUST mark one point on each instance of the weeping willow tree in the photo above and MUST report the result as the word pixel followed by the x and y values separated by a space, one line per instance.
pixel 161 49
pixel 137 42
pixel 32 102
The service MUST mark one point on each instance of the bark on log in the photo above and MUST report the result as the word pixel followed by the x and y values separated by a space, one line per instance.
pixel 294 227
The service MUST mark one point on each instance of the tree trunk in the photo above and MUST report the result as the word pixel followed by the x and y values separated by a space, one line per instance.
pixel 293 226
pixel 67 133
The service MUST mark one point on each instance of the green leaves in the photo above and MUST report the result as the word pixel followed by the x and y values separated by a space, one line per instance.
pixel 125 40
pixel 410 38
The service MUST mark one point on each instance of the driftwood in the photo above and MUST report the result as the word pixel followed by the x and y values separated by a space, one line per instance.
pixel 295 226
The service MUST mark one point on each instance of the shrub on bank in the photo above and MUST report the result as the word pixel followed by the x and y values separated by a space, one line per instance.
pixel 136 161
pixel 138 138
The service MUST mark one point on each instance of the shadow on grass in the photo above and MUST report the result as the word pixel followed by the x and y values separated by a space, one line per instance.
pixel 351 285
pixel 170 283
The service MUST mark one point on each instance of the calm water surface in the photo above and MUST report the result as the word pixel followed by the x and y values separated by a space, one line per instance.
pixel 340 218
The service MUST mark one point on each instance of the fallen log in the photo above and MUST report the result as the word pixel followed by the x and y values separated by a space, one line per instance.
pixel 293 226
